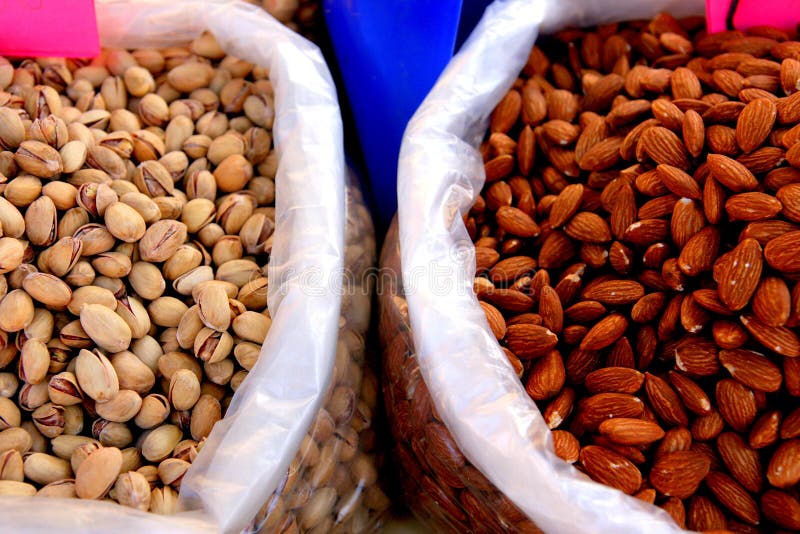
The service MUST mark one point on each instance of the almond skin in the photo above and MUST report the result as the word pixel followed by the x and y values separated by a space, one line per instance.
pixel 738 273
pixel 679 473
pixel 631 431
pixel 610 468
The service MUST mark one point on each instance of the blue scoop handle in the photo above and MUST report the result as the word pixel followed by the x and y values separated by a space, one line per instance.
pixel 390 54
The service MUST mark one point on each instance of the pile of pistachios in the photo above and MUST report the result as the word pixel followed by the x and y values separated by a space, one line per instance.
pixel 136 194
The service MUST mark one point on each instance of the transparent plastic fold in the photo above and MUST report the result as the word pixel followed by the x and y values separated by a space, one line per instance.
pixel 473 389
pixel 249 451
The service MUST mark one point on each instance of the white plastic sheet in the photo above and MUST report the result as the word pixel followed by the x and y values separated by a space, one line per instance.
pixel 250 449
pixel 471 382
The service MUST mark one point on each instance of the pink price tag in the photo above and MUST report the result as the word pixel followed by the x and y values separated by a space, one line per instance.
pixel 48 28
pixel 724 15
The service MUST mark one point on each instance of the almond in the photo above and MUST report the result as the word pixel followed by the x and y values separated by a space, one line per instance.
pixel 755 123
pixel 510 269
pixel 679 473
pixel 550 309
pixel 530 341
pixel 566 446
pixel 781 508
pixel 627 431
pixel 752 369
pixel 733 497
pixel 610 468
pixel 738 273
pixel 566 204
pixel 605 332
pixel 783 470
pixel 679 182
pixel 752 207
pixel 547 377
pixel 485 258
pixel 601 406
pixel 665 401
pixel 614 292
pixel 765 430
pixel 780 252
pixel 495 319
pixel 698 254
pixel 731 174
pixel 742 461
pixel 506 113
pixel 704 515
pixel 663 146
pixel 692 395
pixel 614 380
pixel 556 250
pixel 736 404
pixel 587 226
pixel 772 301
pixel 778 339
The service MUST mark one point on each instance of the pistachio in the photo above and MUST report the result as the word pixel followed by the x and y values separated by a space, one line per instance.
pixel 206 412
pixel 166 311
pixel 64 390
pixel 252 326
pixel 15 438
pixel 31 396
pixel 44 468
pixel 95 238
pixel 184 389
pixel 16 311
pixel 135 316
pixel 111 434
pixel 131 459
pixel 153 179
pixel 23 190
pixel 121 408
pixel 132 489
pixel 144 205
pixel 12 131
pixel 189 326
pixel 64 445
pixel 107 329
pixel 159 442
pixel 96 376
pixel 61 193
pixel 154 411
pixel 12 251
pixel 41 221
pixel 146 280
pixel 8 385
pixel 98 473
pixel 48 289
pixel 51 130
pixel 185 258
pixel 190 76
pixel 212 346
pixel 132 373
pixel 233 173
pixel 124 222
pixel 11 220
pixel 213 310
pixel 112 264
pixel 59 489
pixel 161 240
pixel 39 159
pixel 18 489
pixel 34 361
pixel 163 501
pixel 91 295
pixel 49 419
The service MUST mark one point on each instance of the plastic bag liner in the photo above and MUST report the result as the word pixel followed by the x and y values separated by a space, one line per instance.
pixel 472 385
pixel 250 449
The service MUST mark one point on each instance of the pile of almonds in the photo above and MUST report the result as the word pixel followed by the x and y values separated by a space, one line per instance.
pixel 637 246
pixel 136 229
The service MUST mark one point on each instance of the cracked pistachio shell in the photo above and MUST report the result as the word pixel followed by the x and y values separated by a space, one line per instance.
pixel 161 240
pixel 38 159
pixel 133 490
pixel 96 376
pixel 154 410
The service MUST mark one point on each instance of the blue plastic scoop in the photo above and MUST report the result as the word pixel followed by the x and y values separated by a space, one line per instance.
pixel 390 54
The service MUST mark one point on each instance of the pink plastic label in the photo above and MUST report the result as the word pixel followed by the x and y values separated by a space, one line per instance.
pixel 48 28
pixel 740 14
